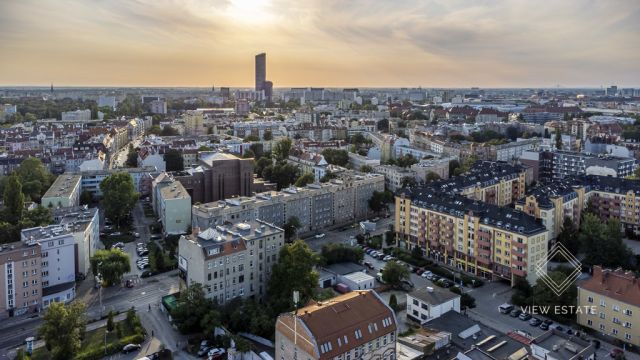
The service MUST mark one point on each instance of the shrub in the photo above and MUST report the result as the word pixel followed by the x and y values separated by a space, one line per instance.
pixel 133 339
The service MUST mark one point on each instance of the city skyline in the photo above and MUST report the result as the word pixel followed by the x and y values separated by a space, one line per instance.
pixel 433 44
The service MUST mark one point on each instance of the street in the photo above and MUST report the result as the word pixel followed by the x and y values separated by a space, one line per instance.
pixel 337 236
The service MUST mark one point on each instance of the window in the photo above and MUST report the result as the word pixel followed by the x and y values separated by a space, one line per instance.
pixel 602 303
pixel 358 334
pixel 627 324
pixel 589 322
pixel 614 331
pixel 628 312
pixel 602 327
pixel 590 299
pixel 616 308
pixel 627 336
pixel 602 315
pixel 616 320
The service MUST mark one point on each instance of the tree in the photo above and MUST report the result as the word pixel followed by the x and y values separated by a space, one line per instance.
pixel 366 169
pixel 453 166
pixel 393 302
pixel 602 243
pixel 169 131
pixel 416 252
pixel 132 157
pixel 261 164
pixel 383 125
pixel 85 197
pixel 281 149
pixel 192 308
pixel 119 196
pixel 379 200
pixel 13 200
pixel 111 264
pixel 35 176
pixel 293 271
pixel 408 181
pixel 110 324
pixel 568 236
pixel 512 133
pixel 257 149
pixel 174 160
pixel 304 179
pixel 40 216
pixel 406 160
pixel 281 173
pixel 558 139
pixel 431 177
pixel 267 136
pixel 394 273
pixel 62 329
pixel 290 227
pixel 542 294
pixel 334 253
pixel 154 130
pixel 336 157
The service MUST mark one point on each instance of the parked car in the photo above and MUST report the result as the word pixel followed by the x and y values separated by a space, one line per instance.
pixel 117 233
pixel 505 308
pixel 524 316
pixel 203 351
pixel 387 258
pixel 559 328
pixel 215 351
pixel 130 347
pixel 368 265
pixel 407 283
pixel 320 236
pixel 615 352
pixel 419 271
pixel 535 322
pixel 425 274
pixel 544 326
pixel 515 313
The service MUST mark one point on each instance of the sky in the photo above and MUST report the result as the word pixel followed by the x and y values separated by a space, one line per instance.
pixel 329 43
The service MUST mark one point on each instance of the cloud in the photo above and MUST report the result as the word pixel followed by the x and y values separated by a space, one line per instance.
pixel 321 42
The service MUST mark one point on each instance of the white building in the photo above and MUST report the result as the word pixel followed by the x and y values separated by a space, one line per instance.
pixel 58 262
pixel 64 192
pixel 84 224
pixel 424 305
pixel 172 203
pixel 78 115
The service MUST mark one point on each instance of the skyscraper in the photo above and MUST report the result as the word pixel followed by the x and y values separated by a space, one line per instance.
pixel 261 71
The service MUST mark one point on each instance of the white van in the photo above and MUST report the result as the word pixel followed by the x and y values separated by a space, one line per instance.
pixel 505 308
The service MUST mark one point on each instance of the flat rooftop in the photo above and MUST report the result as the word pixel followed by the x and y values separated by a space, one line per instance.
pixel 63 186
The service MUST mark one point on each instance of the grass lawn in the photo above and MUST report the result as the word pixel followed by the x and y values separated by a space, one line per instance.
pixel 93 340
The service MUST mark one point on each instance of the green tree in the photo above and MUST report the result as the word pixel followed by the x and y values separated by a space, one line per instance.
pixel 406 160
pixel 40 216
pixel 602 243
pixel 169 131
pixel 408 181
pixel 281 149
pixel 111 264
pixel 542 294
pixel 291 227
pixel 248 154
pixel 336 157
pixel 86 198
pixel 261 164
pixel 36 176
pixel 251 138
pixel 267 136
pixel 304 179
pixel 333 253
pixel 282 173
pixel 110 323
pixel 453 166
pixel 154 130
pixel 174 160
pixel 366 169
pixel 379 200
pixel 416 252
pixel 191 309
pixel 568 236
pixel 383 125
pixel 558 139
pixel 293 271
pixel 394 273
pixel 62 329
pixel 393 302
pixel 431 176
pixel 119 196
pixel 13 200
pixel 132 157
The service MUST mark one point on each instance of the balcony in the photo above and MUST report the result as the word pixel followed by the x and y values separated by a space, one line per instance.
pixel 518 245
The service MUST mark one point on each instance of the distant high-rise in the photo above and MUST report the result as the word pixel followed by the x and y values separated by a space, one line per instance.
pixel 261 71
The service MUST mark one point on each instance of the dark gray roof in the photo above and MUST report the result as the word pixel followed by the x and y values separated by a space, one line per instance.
pixel 436 296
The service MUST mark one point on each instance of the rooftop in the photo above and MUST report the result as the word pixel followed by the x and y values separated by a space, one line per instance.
pixel 64 186
pixel 433 295
pixel 563 346
pixel 208 157
pixel 616 284
pixel 172 190
pixel 481 174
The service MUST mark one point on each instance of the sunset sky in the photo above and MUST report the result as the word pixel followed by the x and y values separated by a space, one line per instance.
pixel 332 43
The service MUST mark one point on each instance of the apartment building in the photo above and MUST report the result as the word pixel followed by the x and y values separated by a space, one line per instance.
pixel 77 115
pixel 356 325
pixel 20 279
pixel 568 163
pixel 496 183
pixel 394 175
pixel 483 239
pixel 615 294
pixel 553 202
pixel 512 151
pixel 58 265
pixel 338 202
pixel 64 192
pixel 91 179
pixel 231 261
pixel 172 203
pixel 439 167
pixel 84 224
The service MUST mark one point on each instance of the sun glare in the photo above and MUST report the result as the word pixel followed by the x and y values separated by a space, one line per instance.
pixel 251 11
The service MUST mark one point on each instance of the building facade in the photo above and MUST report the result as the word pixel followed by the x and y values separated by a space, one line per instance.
pixel 64 192
pixel 172 204
pixel 231 261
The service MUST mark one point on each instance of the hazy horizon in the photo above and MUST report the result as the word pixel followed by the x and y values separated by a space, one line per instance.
pixel 320 43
